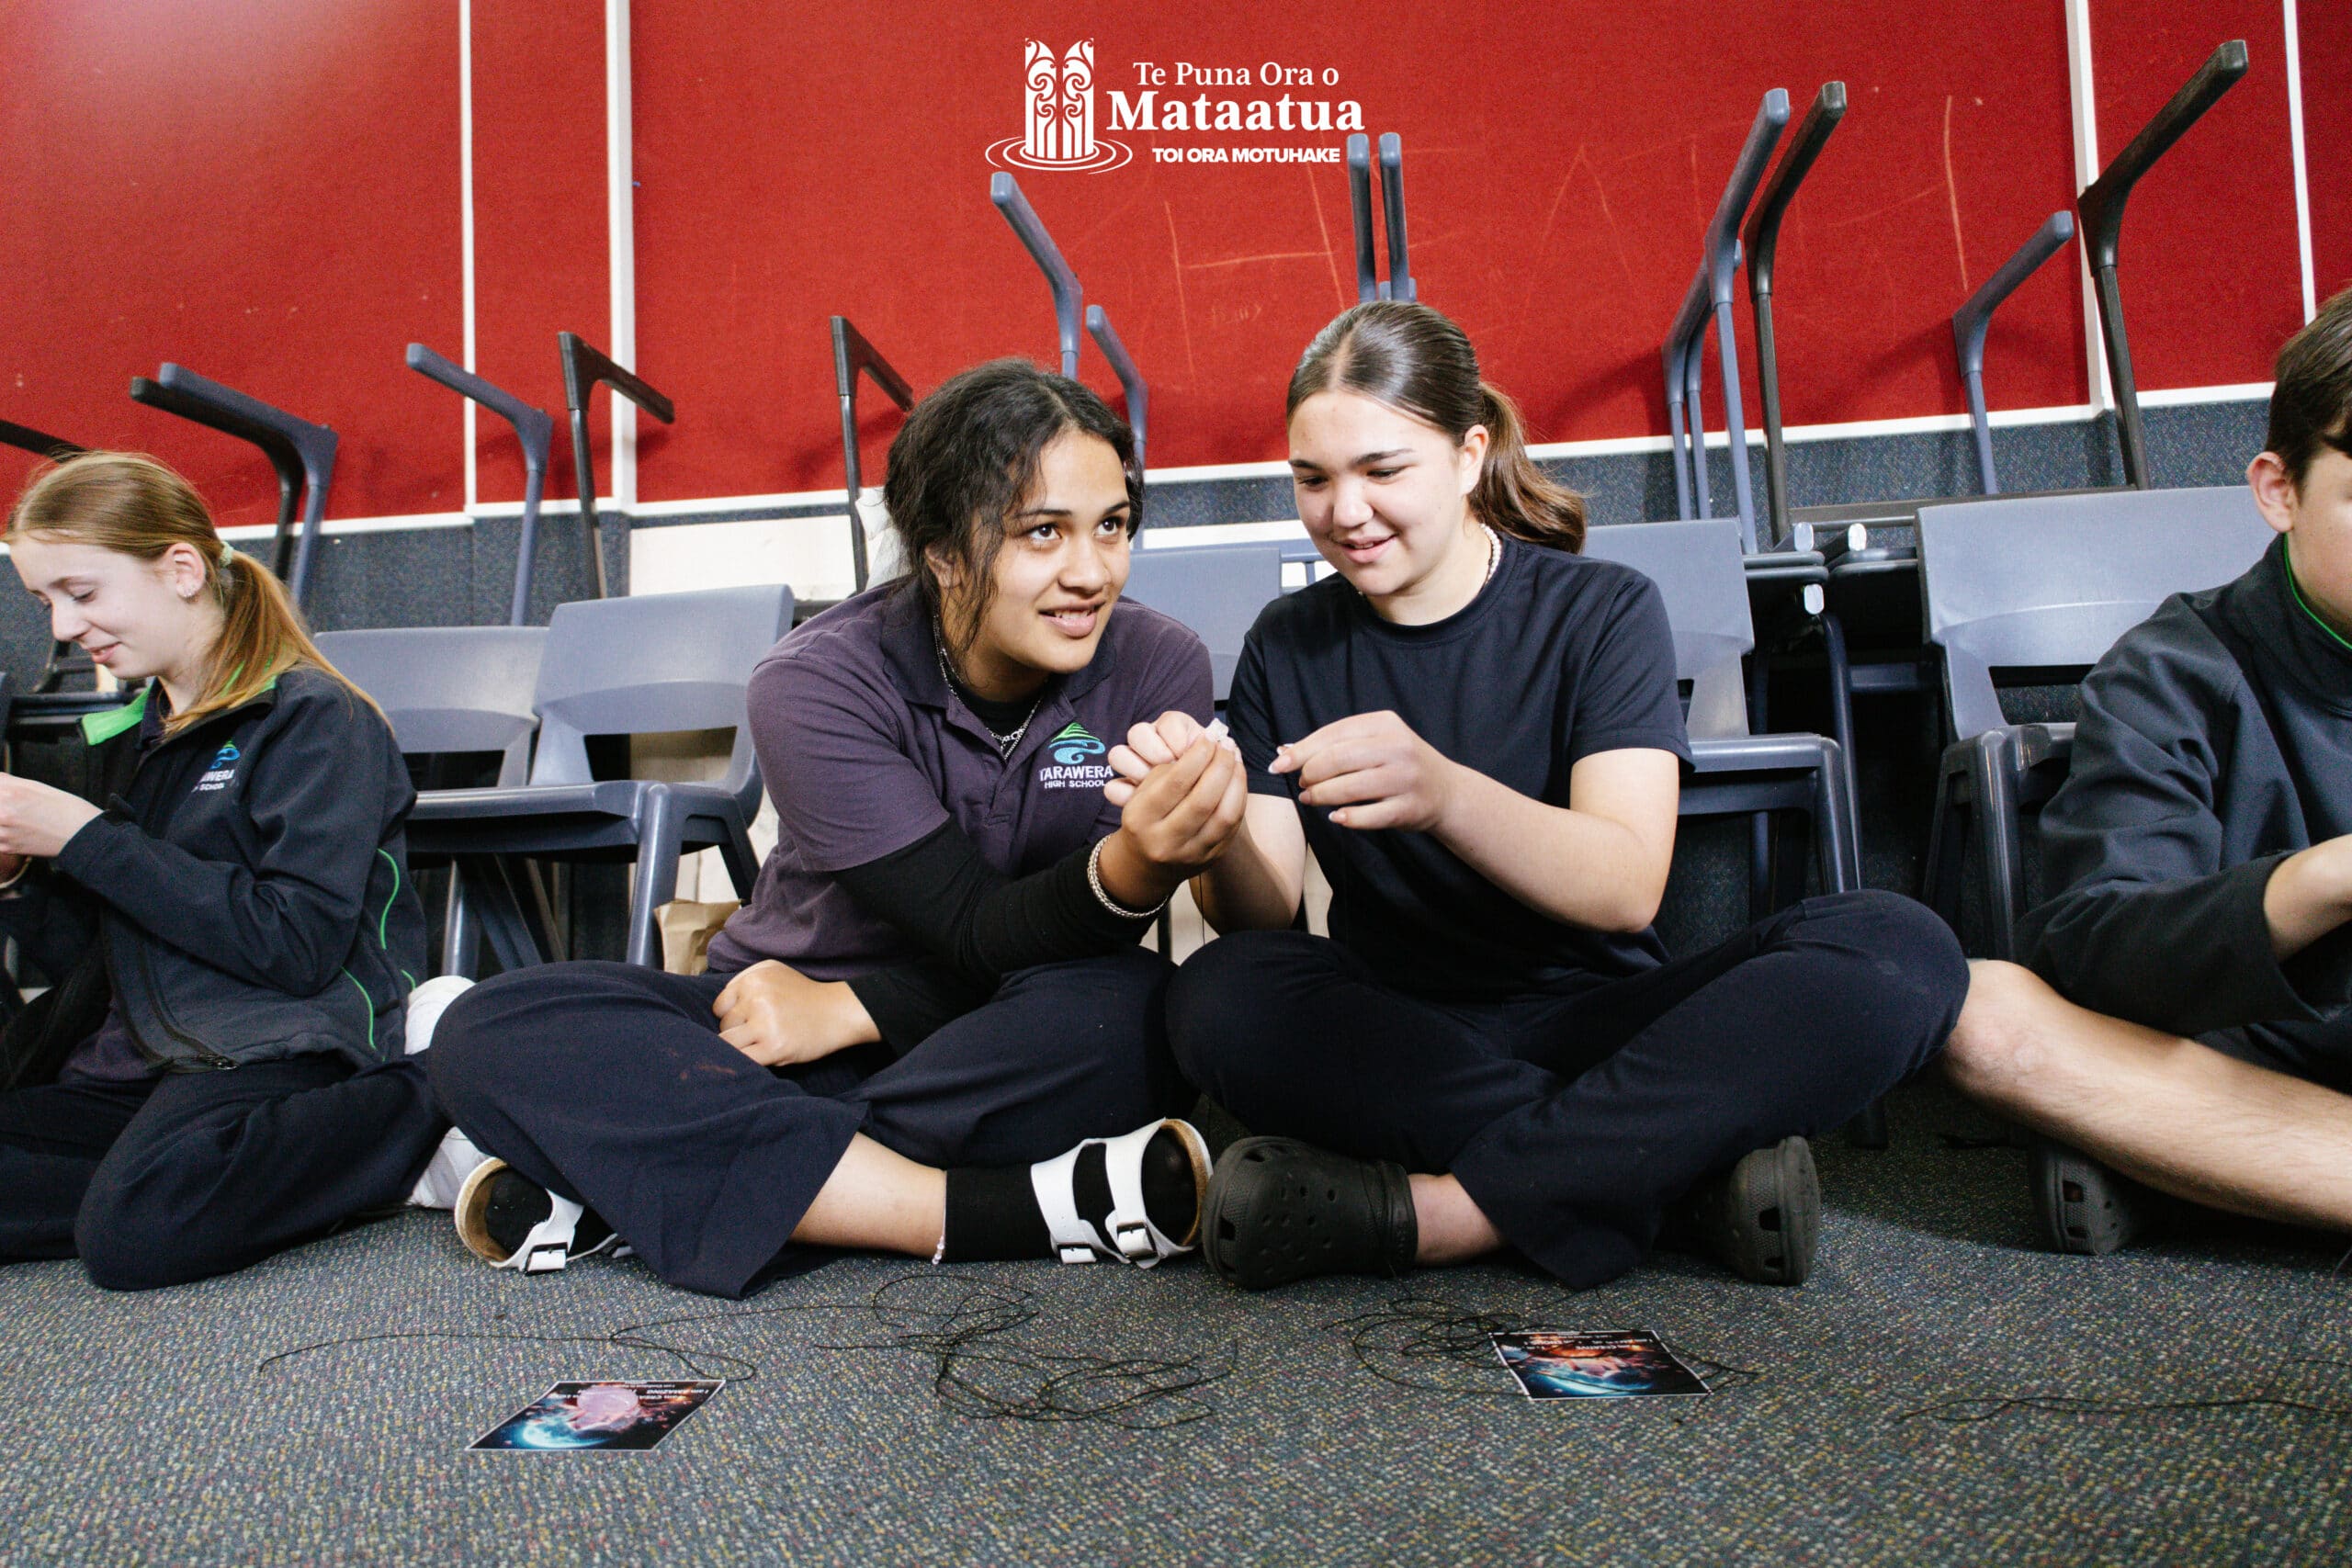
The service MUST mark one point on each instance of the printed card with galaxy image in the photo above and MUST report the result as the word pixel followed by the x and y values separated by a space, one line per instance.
pixel 591 1417
pixel 1607 1363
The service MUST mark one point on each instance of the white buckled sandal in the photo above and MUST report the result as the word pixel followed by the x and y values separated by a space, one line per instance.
pixel 544 1249
pixel 1127 1233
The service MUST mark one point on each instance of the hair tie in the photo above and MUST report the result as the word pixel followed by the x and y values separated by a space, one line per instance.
pixel 228 552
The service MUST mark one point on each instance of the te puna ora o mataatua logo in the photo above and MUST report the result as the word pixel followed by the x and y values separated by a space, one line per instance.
pixel 1059 127
pixel 1058 130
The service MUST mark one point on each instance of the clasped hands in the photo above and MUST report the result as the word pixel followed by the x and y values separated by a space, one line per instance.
pixel 1370 767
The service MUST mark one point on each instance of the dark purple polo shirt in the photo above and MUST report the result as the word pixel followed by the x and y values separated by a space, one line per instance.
pixel 865 751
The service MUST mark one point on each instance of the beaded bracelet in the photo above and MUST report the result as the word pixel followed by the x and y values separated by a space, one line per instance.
pixel 1094 880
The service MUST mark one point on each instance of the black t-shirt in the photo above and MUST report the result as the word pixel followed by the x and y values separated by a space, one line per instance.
pixel 1559 657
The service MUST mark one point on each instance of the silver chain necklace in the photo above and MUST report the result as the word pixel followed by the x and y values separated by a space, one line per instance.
pixel 1004 743
pixel 1494 559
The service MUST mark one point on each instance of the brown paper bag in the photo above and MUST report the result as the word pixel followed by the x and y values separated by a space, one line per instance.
pixel 686 930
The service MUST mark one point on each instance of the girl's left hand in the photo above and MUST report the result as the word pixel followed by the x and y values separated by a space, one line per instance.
pixel 35 819
pixel 1375 769
pixel 777 1016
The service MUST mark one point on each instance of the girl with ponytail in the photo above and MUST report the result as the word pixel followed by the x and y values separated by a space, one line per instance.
pixel 219 1070
pixel 1476 731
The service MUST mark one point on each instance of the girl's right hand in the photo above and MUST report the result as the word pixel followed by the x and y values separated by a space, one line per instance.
pixel 1153 745
pixel 1177 821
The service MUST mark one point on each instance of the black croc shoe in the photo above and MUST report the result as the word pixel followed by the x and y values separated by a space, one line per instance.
pixel 1761 1218
pixel 1278 1210
pixel 2084 1207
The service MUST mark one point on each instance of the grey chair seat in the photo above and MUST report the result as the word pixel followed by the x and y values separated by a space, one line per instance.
pixel 1746 753
pixel 1705 582
pixel 653 664
pixel 2038 584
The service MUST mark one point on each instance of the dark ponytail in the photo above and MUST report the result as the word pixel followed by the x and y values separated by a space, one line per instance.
pixel 1414 360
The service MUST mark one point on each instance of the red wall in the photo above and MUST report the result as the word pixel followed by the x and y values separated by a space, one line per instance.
pixel 264 190
pixel 540 237
pixel 2326 47
pixel 268 190
pixel 1557 198
pixel 2210 266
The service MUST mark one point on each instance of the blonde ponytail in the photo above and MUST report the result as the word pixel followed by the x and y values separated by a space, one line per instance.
pixel 133 505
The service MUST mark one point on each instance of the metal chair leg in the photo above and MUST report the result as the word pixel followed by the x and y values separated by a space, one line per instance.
pixel 658 833
pixel 508 931
pixel 1841 864
pixel 1759 824
pixel 461 930
pixel 1941 877
pixel 1993 778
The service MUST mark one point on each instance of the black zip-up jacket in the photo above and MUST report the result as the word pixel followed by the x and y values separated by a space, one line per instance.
pixel 2215 741
pixel 244 897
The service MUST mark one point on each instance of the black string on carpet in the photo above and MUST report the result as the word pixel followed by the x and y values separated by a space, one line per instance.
pixel 960 1323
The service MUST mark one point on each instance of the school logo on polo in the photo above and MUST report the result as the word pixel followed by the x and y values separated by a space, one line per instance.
pixel 1058 127
pixel 1075 760
pixel 223 769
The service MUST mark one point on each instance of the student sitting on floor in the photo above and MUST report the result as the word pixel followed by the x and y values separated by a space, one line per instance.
pixel 218 1073
pixel 2186 1020
pixel 1477 732
pixel 938 981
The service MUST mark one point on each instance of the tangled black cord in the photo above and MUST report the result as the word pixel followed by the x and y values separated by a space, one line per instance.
pixel 1431 1328
pixel 1966 1410
pixel 960 1323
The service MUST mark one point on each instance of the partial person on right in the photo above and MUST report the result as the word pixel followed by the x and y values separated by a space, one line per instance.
pixel 2183 1018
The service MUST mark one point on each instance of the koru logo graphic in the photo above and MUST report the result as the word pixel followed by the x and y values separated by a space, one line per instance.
pixel 1073 746
pixel 1058 126
pixel 1076 760
pixel 223 769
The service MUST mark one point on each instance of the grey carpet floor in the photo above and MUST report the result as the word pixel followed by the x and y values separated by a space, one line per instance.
pixel 142 1430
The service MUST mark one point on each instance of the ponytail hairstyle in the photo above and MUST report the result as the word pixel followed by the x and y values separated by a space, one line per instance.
pixel 135 506
pixel 1412 359
pixel 965 460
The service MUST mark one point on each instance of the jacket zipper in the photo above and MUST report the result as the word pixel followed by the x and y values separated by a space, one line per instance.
pixel 205 1054
pixel 164 802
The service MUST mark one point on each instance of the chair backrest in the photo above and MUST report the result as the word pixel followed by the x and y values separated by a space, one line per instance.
pixel 1698 569
pixel 1217 589
pixel 654 663
pixel 449 688
pixel 2049 582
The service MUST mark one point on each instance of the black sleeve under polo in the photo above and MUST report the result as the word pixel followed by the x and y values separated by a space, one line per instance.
pixel 978 924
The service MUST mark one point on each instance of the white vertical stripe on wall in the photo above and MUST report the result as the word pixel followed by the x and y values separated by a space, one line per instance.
pixel 466 218
pixel 2303 176
pixel 621 229
pixel 2085 107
